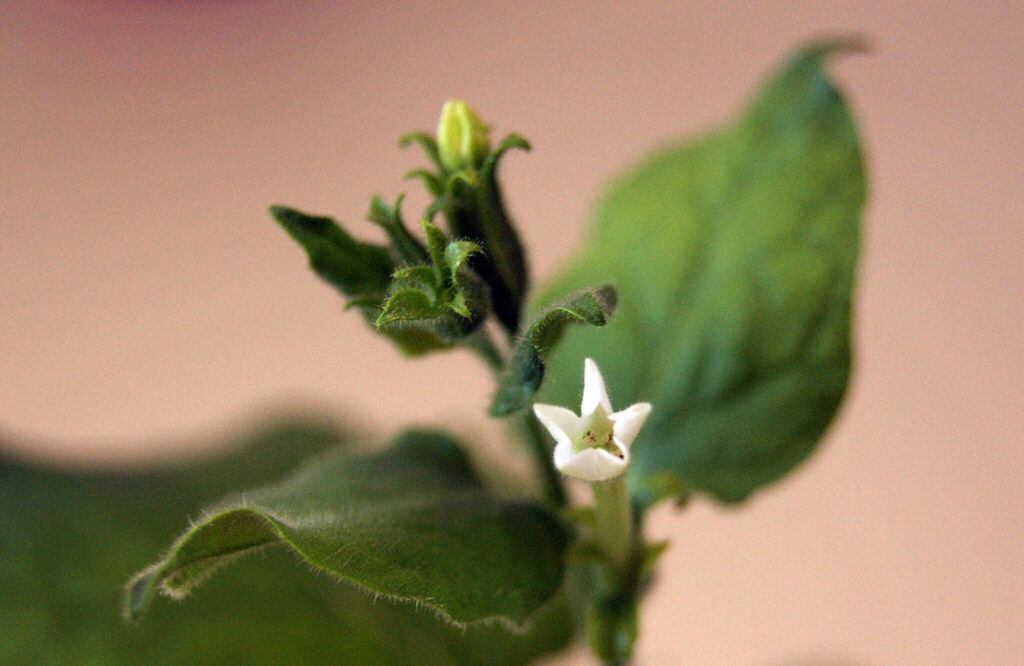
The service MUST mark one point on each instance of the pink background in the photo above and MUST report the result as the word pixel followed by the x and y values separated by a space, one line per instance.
pixel 145 296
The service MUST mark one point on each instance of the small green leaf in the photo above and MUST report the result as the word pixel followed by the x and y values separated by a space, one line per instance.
pixel 410 523
pixel 407 305
pixel 356 269
pixel 525 371
pixel 734 257
pixel 409 250
pixel 470 294
pixel 456 253
pixel 436 243
pixel 423 275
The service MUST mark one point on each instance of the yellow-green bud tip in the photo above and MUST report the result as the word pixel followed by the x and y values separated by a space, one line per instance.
pixel 462 140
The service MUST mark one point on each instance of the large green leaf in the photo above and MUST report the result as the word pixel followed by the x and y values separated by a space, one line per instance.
pixel 411 523
pixel 734 257
pixel 68 541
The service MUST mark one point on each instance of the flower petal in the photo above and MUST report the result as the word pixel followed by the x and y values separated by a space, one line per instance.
pixel 560 422
pixel 589 464
pixel 627 423
pixel 594 392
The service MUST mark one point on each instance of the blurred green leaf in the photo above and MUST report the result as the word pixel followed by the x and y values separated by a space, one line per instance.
pixel 411 523
pixel 734 258
pixel 525 371
pixel 363 273
pixel 358 270
pixel 68 541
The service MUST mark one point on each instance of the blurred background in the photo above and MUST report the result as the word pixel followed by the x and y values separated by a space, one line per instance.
pixel 148 304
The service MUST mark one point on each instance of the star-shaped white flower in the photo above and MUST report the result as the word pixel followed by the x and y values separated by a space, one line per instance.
pixel 593 446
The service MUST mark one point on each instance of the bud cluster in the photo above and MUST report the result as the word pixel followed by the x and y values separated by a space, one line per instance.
pixel 436 292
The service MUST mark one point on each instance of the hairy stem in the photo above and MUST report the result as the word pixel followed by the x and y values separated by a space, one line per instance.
pixel 528 427
pixel 480 342
pixel 612 613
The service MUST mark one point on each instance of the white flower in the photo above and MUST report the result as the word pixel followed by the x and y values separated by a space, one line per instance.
pixel 593 446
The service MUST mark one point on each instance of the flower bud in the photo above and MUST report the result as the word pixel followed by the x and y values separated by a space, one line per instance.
pixel 462 139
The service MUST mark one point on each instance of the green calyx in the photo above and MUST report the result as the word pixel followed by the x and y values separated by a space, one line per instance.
pixel 444 292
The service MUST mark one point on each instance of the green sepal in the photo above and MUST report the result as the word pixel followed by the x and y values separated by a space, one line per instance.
pixel 491 161
pixel 423 275
pixel 470 295
pixel 436 244
pixel 360 271
pixel 652 552
pixel 457 286
pixel 459 306
pixel 407 305
pixel 426 142
pixel 430 180
pixel 411 523
pixel 456 253
pixel 525 371
pixel 410 314
pixel 444 301
pixel 407 248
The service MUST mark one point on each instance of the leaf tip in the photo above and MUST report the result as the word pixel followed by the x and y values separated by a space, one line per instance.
pixel 137 594
pixel 278 211
pixel 836 45
pixel 607 298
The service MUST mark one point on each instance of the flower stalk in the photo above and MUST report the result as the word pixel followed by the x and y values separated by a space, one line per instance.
pixel 613 522
pixel 480 343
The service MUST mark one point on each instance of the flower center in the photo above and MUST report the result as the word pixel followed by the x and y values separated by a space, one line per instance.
pixel 598 434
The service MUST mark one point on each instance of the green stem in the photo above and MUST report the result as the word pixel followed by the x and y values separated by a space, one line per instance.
pixel 530 429
pixel 611 615
pixel 480 342
pixel 613 518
